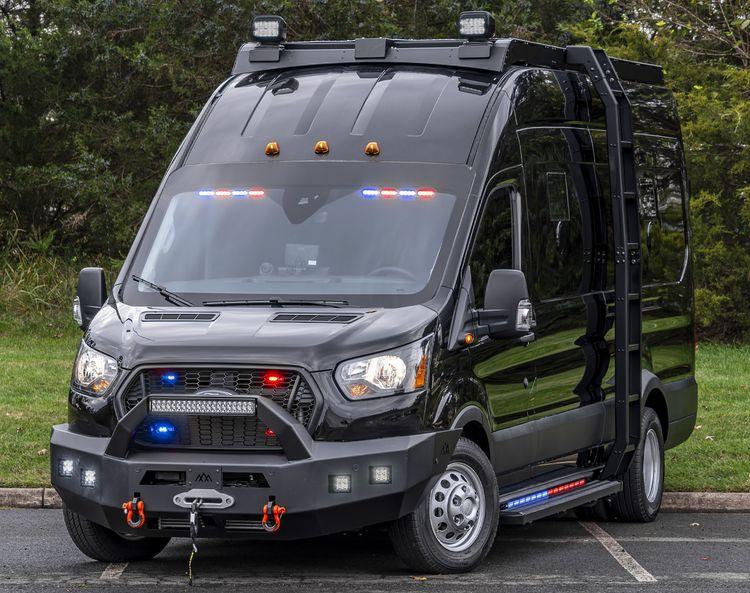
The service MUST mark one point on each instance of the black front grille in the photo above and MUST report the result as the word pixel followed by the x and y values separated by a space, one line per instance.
pixel 286 388
pixel 211 432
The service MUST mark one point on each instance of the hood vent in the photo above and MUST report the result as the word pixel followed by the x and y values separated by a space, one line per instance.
pixel 179 317
pixel 316 317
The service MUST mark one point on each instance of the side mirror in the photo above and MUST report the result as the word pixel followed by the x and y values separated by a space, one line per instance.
pixel 507 311
pixel 90 296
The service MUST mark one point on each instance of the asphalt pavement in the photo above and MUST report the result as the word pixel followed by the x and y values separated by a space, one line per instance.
pixel 679 552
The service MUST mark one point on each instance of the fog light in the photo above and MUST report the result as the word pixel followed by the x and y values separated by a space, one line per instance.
pixel 88 478
pixel 340 484
pixel 163 431
pixel 65 468
pixel 380 474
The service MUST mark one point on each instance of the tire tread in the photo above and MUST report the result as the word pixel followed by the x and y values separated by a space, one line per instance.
pixel 104 545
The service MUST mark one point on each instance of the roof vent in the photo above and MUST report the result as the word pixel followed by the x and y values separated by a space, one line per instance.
pixel 179 317
pixel 316 317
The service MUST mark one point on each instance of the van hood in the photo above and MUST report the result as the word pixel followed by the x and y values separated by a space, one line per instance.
pixel 254 335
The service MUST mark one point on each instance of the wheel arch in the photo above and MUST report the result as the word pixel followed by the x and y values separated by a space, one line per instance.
pixel 653 397
pixel 474 426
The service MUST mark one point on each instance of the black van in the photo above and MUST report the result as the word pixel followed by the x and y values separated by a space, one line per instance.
pixel 438 285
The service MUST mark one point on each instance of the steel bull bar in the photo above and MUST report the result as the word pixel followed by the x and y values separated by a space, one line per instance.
pixel 305 478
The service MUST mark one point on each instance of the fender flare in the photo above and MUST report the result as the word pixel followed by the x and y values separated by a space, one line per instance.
pixel 473 413
pixel 649 382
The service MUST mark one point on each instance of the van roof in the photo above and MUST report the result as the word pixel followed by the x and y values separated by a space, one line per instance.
pixel 415 113
pixel 495 55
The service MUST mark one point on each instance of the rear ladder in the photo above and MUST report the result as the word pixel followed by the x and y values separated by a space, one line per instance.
pixel 627 250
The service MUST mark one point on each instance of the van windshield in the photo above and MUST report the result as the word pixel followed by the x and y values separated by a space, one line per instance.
pixel 257 239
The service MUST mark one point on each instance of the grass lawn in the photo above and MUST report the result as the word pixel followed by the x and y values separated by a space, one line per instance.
pixel 35 365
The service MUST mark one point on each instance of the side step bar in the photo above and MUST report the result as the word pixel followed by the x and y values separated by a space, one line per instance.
pixel 591 492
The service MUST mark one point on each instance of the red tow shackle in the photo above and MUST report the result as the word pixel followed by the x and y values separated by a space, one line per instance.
pixel 274 512
pixel 135 513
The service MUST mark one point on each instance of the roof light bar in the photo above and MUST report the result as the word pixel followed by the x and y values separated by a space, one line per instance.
pixel 268 29
pixel 476 25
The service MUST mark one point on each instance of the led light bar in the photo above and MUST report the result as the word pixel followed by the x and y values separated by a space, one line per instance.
pixel 404 194
pixel 224 194
pixel 268 28
pixel 476 24
pixel 543 495
pixel 212 407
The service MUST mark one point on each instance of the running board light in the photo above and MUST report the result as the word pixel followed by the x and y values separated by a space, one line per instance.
pixel 543 495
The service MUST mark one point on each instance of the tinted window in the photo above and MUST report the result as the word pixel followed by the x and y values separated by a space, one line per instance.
pixel 665 235
pixel 555 232
pixel 493 248
pixel 661 206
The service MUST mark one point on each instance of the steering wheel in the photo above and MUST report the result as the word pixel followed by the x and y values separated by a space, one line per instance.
pixel 391 270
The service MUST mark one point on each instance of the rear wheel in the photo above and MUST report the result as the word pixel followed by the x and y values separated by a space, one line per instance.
pixel 643 483
pixel 105 545
pixel 454 526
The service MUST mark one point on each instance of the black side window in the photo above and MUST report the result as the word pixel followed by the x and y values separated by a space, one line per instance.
pixel 493 247
pixel 647 198
pixel 554 231
pixel 557 196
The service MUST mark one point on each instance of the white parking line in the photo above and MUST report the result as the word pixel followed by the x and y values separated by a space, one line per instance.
pixel 610 544
pixel 648 539
pixel 113 571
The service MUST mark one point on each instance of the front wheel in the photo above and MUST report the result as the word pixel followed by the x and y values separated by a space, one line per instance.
pixel 100 543
pixel 453 527
pixel 643 483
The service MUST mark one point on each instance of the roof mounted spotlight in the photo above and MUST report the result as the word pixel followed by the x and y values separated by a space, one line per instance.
pixel 268 29
pixel 476 25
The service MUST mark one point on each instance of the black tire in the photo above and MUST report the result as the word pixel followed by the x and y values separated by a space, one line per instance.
pixel 417 545
pixel 632 503
pixel 104 545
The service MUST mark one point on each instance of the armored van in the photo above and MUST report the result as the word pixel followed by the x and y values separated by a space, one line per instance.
pixel 435 285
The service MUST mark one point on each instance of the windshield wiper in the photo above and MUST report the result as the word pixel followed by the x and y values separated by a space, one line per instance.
pixel 276 303
pixel 167 294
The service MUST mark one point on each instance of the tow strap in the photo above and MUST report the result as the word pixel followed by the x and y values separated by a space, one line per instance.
pixel 194 525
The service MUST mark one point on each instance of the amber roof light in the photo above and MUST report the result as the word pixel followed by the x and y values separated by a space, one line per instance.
pixel 272 149
pixel 321 147
pixel 372 149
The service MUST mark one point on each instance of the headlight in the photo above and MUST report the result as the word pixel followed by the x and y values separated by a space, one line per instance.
pixel 93 372
pixel 394 372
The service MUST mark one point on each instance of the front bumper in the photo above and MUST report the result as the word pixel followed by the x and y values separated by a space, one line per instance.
pixel 299 481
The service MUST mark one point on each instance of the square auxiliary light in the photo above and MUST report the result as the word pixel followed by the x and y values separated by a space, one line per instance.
pixel 380 474
pixel 268 29
pixel 476 24
pixel 212 407
pixel 340 484
pixel 88 478
pixel 65 468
